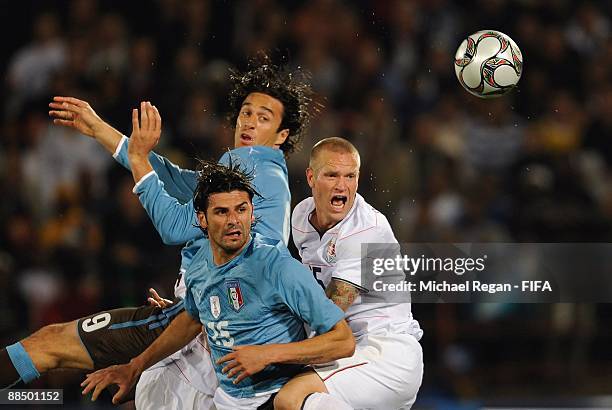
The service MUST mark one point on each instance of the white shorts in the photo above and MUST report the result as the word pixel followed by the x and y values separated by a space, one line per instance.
pixel 185 380
pixel 224 401
pixel 385 373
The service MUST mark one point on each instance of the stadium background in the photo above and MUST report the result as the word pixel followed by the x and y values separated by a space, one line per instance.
pixel 442 165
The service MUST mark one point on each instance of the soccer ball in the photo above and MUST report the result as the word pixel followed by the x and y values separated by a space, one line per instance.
pixel 488 64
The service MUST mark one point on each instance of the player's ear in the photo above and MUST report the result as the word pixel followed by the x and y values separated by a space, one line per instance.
pixel 310 176
pixel 281 137
pixel 202 220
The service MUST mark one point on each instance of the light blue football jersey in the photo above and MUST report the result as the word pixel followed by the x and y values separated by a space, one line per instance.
pixel 261 296
pixel 168 196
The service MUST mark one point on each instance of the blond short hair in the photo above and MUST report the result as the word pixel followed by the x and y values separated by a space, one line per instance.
pixel 333 144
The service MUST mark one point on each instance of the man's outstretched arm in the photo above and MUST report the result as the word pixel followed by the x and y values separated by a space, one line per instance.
pixel 179 182
pixel 181 331
pixel 167 199
pixel 79 115
pixel 175 222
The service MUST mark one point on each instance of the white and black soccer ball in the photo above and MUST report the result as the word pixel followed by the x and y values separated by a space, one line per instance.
pixel 488 64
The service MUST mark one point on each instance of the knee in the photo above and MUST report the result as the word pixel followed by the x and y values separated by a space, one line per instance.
pixel 45 346
pixel 52 333
pixel 285 400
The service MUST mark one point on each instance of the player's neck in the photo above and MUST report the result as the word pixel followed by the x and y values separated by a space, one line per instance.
pixel 221 256
pixel 320 224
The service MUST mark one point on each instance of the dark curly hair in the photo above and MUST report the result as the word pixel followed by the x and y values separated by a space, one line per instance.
pixel 291 88
pixel 214 178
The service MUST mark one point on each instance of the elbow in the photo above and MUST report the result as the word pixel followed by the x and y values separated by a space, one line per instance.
pixel 169 239
pixel 169 236
pixel 347 344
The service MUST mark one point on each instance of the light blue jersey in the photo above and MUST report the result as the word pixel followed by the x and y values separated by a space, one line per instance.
pixel 261 296
pixel 168 196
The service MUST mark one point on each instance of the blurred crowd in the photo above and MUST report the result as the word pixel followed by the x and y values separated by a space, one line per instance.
pixel 442 165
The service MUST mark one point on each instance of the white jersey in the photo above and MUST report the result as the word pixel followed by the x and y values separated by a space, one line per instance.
pixel 337 255
pixel 179 286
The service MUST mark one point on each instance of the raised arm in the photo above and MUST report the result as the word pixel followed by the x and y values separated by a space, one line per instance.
pixel 175 222
pixel 183 329
pixel 79 115
pixel 145 136
pixel 179 182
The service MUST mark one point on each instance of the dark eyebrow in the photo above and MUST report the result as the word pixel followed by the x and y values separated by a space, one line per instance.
pixel 263 107
pixel 216 208
pixel 267 109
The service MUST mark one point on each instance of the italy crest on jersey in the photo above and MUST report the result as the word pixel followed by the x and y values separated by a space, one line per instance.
pixel 215 306
pixel 234 294
pixel 330 251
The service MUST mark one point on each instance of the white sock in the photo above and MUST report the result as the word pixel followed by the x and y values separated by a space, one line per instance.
pixel 324 401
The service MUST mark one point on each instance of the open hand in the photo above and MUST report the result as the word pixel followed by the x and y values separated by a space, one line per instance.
pixel 245 361
pixel 74 113
pixel 124 376
pixel 146 131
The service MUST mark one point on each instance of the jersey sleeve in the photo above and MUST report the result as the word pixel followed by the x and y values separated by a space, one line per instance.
pixel 348 265
pixel 176 223
pixel 303 295
pixel 190 305
pixel 179 183
pixel 349 270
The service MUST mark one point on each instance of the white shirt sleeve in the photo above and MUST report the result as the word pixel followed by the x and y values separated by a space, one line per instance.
pixel 349 258
pixel 141 180
pixel 348 265
pixel 119 146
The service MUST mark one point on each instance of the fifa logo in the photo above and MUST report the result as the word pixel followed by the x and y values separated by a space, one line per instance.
pixel 215 306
